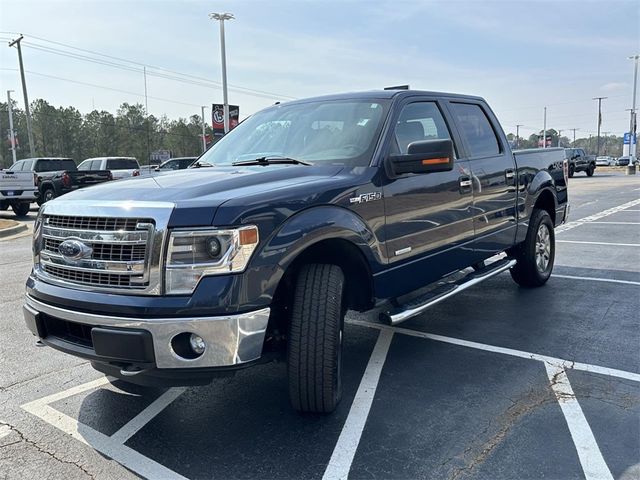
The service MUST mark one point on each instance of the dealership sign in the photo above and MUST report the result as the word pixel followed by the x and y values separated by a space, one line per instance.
pixel 217 118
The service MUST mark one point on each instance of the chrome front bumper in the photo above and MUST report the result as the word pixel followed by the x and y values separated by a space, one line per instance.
pixel 231 340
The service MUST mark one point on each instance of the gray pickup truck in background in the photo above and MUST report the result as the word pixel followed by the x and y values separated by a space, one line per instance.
pixel 579 161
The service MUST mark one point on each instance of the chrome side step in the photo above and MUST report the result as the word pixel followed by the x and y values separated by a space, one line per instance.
pixel 420 304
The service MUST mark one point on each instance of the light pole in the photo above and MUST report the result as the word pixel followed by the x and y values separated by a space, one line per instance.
pixel 221 17
pixel 599 99
pixel 204 138
pixel 631 168
pixel 27 112
pixel 574 135
pixel 12 134
pixel 544 130
pixel 559 135
pixel 518 134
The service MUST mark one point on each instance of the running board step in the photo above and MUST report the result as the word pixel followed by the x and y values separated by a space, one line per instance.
pixel 437 295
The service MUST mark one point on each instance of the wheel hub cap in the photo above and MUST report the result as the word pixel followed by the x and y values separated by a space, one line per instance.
pixel 543 248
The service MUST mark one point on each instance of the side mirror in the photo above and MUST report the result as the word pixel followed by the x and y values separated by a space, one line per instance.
pixel 424 156
pixel 157 169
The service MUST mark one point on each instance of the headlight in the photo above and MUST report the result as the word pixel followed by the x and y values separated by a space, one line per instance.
pixel 193 254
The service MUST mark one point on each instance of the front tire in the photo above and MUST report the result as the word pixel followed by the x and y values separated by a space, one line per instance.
pixel 536 254
pixel 20 209
pixel 590 170
pixel 48 194
pixel 314 353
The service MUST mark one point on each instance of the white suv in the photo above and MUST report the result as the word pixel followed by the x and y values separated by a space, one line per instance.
pixel 120 167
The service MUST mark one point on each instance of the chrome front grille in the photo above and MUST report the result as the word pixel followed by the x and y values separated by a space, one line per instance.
pixel 112 252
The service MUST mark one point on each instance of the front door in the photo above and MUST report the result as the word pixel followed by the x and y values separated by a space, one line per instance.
pixel 429 224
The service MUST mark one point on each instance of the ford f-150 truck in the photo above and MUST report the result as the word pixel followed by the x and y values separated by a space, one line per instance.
pixel 305 210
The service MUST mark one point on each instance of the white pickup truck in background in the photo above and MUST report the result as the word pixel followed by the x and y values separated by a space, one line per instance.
pixel 17 190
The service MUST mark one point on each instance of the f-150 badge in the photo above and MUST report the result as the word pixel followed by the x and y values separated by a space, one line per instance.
pixel 366 197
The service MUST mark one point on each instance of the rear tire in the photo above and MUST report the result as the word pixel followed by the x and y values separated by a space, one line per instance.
pixel 314 353
pixel 572 171
pixel 536 254
pixel 20 209
pixel 590 170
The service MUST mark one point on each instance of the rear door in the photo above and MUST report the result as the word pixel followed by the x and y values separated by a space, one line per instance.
pixel 493 171
pixel 429 226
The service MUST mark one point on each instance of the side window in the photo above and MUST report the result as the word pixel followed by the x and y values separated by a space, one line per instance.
pixel 84 165
pixel 476 128
pixel 16 167
pixel 94 165
pixel 26 165
pixel 419 121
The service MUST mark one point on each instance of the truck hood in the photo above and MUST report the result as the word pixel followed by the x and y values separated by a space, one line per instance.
pixel 198 192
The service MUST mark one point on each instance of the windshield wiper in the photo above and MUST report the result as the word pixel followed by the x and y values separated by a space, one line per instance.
pixel 271 161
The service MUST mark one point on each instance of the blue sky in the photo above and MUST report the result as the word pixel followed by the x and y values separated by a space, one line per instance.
pixel 519 55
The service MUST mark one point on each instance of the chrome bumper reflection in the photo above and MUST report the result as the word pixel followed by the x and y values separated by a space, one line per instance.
pixel 230 339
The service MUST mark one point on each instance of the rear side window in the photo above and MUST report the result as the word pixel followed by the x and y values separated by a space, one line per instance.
pixel 476 129
pixel 86 165
pixel 121 164
pixel 54 165
pixel 419 121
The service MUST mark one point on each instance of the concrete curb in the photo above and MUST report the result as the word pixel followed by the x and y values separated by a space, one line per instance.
pixel 7 232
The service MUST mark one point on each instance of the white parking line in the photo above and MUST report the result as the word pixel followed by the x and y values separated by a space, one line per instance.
pixel 596 216
pixel 595 279
pixel 559 362
pixel 600 243
pixel 106 445
pixel 593 464
pixel 4 431
pixel 347 444
pixel 144 417
pixel 617 223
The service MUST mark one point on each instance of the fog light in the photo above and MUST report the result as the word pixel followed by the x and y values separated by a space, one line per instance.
pixel 197 344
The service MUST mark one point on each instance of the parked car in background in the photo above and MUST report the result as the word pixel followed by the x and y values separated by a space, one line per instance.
pixel 622 161
pixel 604 161
pixel 179 163
pixel 120 167
pixel 579 161
pixel 17 189
pixel 57 176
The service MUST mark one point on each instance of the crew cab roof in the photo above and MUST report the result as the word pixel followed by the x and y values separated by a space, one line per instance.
pixel 382 94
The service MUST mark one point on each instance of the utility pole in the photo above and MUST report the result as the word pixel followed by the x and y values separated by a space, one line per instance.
pixel 518 134
pixel 221 17
pixel 146 103
pixel 204 138
pixel 544 130
pixel 12 134
pixel 574 135
pixel 599 99
pixel 633 148
pixel 559 135
pixel 32 148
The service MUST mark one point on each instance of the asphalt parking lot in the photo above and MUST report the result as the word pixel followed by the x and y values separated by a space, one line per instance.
pixel 497 383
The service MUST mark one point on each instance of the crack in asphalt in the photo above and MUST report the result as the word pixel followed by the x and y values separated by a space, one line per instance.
pixel 40 449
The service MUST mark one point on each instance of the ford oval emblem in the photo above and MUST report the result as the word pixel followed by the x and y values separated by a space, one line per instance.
pixel 74 250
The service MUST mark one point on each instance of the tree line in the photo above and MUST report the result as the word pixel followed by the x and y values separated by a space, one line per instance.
pixel 131 132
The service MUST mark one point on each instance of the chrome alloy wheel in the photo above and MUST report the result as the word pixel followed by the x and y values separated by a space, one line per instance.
pixel 543 248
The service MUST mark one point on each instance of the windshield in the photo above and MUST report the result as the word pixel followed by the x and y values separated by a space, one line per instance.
pixel 325 132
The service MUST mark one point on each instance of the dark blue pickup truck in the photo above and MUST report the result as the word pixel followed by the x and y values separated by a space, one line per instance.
pixel 303 211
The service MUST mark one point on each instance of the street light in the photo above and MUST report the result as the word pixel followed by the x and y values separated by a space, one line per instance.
pixel 221 17
pixel 631 168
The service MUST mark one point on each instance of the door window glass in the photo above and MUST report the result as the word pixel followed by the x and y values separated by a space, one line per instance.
pixel 419 121
pixel 476 129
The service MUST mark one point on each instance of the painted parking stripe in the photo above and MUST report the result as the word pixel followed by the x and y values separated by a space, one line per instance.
pixel 4 431
pixel 595 279
pixel 600 243
pixel 122 454
pixel 616 223
pixel 345 449
pixel 596 216
pixel 144 417
pixel 611 372
pixel 591 460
